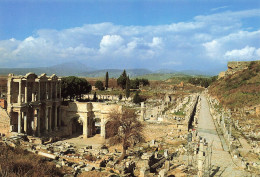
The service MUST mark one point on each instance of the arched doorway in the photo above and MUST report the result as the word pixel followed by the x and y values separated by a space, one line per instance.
pixel 76 126
pixel 97 125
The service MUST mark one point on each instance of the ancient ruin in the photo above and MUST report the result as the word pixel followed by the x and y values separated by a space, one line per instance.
pixel 186 132
pixel 34 103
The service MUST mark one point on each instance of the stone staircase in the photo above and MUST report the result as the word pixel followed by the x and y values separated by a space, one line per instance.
pixel 4 121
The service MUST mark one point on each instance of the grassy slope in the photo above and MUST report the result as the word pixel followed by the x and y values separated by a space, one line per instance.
pixel 239 90
pixel 19 163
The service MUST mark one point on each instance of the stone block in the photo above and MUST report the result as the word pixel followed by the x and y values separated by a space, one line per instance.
pixel 146 156
pixel 89 168
pixel 162 173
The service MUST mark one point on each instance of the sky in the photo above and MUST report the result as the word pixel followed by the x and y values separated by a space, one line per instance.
pixel 122 34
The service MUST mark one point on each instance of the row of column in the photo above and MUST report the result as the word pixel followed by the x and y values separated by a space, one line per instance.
pixel 36 121
pixel 34 96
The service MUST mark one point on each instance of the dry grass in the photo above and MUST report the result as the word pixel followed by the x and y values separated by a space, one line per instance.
pixel 93 174
pixel 239 90
pixel 17 162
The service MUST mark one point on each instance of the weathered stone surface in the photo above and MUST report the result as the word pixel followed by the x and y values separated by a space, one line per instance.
pixel 89 168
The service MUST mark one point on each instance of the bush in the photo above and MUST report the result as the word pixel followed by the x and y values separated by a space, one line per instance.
pixel 99 85
pixel 120 96
pixel 137 99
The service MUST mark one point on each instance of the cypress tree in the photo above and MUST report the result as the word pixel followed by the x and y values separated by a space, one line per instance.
pixel 127 87
pixel 121 81
pixel 107 78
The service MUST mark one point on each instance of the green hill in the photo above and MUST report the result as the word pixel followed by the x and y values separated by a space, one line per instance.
pixel 240 89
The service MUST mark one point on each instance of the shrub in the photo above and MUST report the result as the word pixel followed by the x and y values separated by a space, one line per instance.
pixel 99 85
pixel 137 99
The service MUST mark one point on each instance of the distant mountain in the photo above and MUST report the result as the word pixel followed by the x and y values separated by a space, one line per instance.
pixel 69 69
pixel 116 72
pixel 64 69
pixel 76 68
pixel 165 71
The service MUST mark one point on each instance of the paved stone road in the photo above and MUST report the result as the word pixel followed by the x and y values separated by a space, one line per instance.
pixel 221 160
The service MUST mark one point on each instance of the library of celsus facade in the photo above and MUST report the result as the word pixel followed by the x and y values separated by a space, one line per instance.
pixel 34 103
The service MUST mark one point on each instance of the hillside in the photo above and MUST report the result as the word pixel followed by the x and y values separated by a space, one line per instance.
pixel 115 73
pixel 171 77
pixel 64 69
pixel 242 89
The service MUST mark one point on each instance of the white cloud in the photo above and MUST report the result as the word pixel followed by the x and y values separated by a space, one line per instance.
pixel 211 38
pixel 172 63
pixel 110 43
pixel 218 8
pixel 212 48
pixel 246 53
pixel 226 47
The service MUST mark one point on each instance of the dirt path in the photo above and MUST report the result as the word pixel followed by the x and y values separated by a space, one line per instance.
pixel 221 160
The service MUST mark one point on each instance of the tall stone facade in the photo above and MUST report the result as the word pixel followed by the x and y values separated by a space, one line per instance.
pixel 33 103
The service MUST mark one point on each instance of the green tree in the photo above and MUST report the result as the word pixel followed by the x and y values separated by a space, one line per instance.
pixel 134 83
pixel 121 81
pixel 137 99
pixel 127 88
pixel 72 87
pixel 99 85
pixel 107 78
pixel 144 82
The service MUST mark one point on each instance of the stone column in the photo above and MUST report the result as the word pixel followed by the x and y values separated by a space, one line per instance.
pixel 87 123
pixel 59 116
pixel 25 122
pixel 85 126
pixel 33 92
pixel 46 119
pixel 50 119
pixel 142 111
pixel 60 90
pixel 200 160
pixel 56 90
pixel 46 91
pixel 39 91
pixel 55 118
pixel 167 165
pixel 9 89
pixel 38 122
pixel 20 92
pixel 51 90
pixel 103 127
pixel 19 121
pixel 26 92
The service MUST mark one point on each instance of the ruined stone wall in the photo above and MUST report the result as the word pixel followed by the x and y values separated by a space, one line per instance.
pixel 3 103
pixel 235 66
pixel 77 109
pixel 4 121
